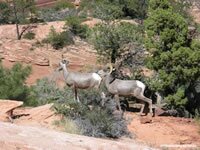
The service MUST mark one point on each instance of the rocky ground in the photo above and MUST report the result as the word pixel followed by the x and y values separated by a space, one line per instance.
pixel 15 137
pixel 39 122
pixel 43 59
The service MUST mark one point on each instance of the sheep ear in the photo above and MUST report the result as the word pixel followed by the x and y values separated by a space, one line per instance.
pixel 63 61
pixel 66 62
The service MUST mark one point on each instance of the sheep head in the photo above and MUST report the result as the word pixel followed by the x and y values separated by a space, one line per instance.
pixel 62 64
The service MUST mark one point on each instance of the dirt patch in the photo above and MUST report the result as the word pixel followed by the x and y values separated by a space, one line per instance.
pixel 165 130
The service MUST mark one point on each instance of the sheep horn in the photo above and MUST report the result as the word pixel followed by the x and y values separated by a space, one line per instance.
pixel 111 68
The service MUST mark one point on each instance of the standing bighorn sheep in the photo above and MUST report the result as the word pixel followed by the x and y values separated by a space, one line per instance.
pixel 79 80
pixel 119 87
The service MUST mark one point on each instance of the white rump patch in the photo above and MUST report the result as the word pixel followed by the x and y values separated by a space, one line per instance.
pixel 96 76
pixel 140 84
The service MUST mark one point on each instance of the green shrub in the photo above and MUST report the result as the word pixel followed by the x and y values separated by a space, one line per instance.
pixel 50 14
pixel 75 26
pixel 90 118
pixel 29 35
pixel 4 13
pixel 59 40
pixel 100 122
pixel 68 125
pixel 45 92
pixel 63 4
pixel 109 40
pixel 12 83
pixel 115 9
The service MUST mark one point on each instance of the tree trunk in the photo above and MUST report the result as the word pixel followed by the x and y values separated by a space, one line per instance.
pixel 113 56
pixel 16 20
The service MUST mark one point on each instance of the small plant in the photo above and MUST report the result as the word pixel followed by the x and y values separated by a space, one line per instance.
pixel 29 35
pixel 59 40
pixel 63 4
pixel 68 125
pixel 75 26
pixel 37 44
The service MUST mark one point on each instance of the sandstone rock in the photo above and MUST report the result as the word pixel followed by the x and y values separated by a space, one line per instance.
pixel 39 113
pixel 6 108
pixel 35 138
pixel 41 61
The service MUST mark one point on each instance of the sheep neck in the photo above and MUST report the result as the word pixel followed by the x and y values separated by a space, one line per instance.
pixel 109 80
pixel 65 72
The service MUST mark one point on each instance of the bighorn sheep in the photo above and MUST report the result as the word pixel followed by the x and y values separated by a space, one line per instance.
pixel 79 80
pixel 119 87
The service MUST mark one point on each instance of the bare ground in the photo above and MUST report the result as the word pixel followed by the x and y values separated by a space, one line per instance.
pixel 162 131
pixel 15 137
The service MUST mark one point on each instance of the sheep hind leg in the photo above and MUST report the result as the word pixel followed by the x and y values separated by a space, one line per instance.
pixel 142 109
pixel 147 100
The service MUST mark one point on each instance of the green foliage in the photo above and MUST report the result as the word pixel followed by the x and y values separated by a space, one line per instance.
pixel 4 13
pixel 166 30
pixel 115 9
pixel 180 7
pixel 29 35
pixel 63 4
pixel 68 125
pixel 103 9
pixel 86 117
pixel 174 57
pixel 12 83
pixel 100 123
pixel 159 4
pixel 59 40
pixel 75 26
pixel 22 10
pixel 193 94
pixel 94 120
pixel 134 8
pixel 45 92
pixel 110 39
pixel 50 14
pixel 16 11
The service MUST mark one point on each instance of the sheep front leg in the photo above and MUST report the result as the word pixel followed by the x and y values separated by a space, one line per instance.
pixel 76 98
pixel 103 99
pixel 118 102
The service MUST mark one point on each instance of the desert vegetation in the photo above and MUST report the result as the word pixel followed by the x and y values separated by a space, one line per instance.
pixel 89 117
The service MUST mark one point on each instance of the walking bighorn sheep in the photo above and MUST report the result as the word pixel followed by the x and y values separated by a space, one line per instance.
pixel 79 80
pixel 119 87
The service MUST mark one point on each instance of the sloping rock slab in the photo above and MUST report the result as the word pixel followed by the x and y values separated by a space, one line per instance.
pixel 39 113
pixel 7 106
pixel 34 138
